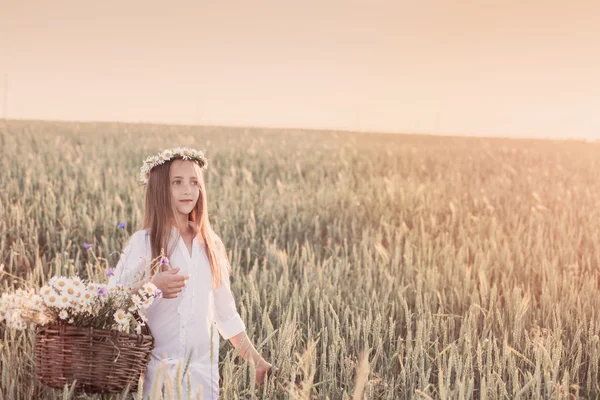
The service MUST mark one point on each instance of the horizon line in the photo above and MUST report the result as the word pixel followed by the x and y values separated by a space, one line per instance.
pixel 330 129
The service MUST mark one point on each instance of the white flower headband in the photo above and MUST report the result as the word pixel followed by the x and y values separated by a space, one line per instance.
pixel 169 154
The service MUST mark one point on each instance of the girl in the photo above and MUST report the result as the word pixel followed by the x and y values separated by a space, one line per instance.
pixel 193 276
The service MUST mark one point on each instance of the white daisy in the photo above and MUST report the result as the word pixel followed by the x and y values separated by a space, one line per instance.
pixel 63 314
pixel 38 303
pixel 136 299
pixel 87 296
pixel 77 282
pixel 64 301
pixel 148 289
pixel 46 290
pixel 144 176
pixel 186 153
pixel 51 300
pixel 121 317
pixel 60 283
pixel 70 290
pixel 147 303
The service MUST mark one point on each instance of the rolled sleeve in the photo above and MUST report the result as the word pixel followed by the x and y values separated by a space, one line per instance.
pixel 228 320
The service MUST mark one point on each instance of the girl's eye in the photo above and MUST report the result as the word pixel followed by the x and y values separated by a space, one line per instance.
pixel 176 182
pixel 194 183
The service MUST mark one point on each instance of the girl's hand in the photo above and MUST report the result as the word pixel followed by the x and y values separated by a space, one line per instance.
pixel 264 370
pixel 170 283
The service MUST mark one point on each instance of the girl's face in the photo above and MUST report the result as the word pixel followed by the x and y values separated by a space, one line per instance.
pixel 185 186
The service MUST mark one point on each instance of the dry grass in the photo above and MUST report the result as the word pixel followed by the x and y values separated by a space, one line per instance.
pixel 459 267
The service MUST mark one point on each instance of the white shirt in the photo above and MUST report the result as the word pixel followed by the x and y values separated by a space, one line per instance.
pixel 184 324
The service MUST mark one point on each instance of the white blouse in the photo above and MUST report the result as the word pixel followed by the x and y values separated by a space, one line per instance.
pixel 183 326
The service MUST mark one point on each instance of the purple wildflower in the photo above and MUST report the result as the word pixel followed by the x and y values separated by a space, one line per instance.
pixel 158 293
pixel 122 225
pixel 164 261
pixel 110 272
pixel 102 291
pixel 87 246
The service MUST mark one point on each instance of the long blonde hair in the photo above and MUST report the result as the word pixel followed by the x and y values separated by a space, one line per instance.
pixel 159 212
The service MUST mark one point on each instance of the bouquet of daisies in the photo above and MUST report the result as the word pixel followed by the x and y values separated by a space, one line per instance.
pixel 76 302
pixel 90 334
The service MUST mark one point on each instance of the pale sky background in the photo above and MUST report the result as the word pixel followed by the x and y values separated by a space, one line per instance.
pixel 480 67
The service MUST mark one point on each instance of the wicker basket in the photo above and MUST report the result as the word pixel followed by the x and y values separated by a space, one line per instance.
pixel 102 361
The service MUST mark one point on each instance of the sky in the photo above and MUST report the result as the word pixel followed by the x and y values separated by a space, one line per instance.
pixel 527 68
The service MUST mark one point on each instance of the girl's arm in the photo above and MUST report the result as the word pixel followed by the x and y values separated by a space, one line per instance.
pixel 228 320
pixel 133 264
pixel 242 342
pixel 232 328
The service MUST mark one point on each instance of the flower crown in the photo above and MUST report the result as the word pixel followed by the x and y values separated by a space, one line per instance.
pixel 169 154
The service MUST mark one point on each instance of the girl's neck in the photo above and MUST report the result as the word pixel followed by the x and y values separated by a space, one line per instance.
pixel 184 227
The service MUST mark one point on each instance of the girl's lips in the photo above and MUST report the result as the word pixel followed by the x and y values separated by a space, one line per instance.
pixel 186 201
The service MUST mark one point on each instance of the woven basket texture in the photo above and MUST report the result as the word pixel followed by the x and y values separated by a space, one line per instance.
pixel 102 361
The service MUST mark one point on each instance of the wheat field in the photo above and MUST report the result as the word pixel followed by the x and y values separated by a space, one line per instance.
pixel 365 265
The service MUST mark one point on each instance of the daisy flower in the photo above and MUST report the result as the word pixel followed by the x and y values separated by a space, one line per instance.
pixel 63 314
pixel 51 300
pixel 64 301
pixel 121 317
pixel 147 303
pixel 148 289
pixel 77 282
pixel 70 290
pixel 136 299
pixel 46 290
pixel 60 283
pixel 87 296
